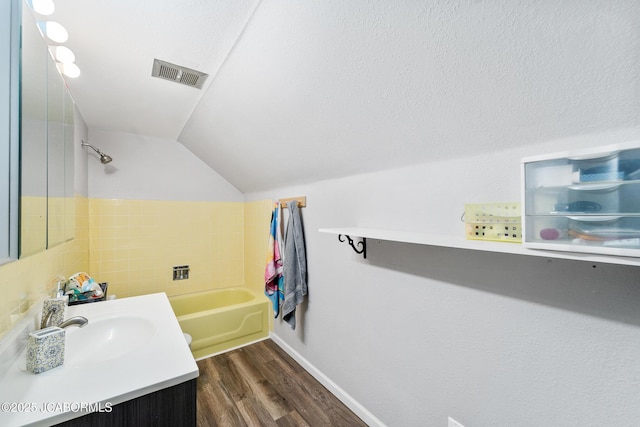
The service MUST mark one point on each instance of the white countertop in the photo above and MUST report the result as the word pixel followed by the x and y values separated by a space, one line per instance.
pixel 91 375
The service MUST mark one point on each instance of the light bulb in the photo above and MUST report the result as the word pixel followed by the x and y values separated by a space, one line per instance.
pixel 43 7
pixel 62 54
pixel 53 31
pixel 69 69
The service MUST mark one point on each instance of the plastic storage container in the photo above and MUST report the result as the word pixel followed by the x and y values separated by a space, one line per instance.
pixel 584 201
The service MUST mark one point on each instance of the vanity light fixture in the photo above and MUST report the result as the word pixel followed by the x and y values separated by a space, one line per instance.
pixel 62 54
pixel 42 7
pixel 53 31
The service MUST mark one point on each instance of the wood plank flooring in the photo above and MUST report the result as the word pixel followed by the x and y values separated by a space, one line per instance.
pixel 261 385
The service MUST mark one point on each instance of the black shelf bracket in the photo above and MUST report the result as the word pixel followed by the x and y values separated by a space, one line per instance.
pixel 362 245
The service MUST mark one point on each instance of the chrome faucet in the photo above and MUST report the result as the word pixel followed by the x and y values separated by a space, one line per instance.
pixel 80 321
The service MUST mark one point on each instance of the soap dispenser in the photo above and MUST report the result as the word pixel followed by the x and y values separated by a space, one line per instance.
pixel 61 287
pixel 54 310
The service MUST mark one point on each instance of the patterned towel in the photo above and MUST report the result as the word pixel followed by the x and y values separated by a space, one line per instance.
pixel 273 278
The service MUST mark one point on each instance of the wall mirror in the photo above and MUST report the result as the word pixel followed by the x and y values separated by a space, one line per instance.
pixel 33 144
pixel 47 144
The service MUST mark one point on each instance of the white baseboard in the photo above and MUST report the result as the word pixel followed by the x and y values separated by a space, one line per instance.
pixel 337 391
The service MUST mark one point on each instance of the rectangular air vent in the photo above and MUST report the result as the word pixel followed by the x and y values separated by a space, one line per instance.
pixel 178 74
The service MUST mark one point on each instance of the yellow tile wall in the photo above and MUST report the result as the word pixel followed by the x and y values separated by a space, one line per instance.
pixel 56 219
pixel 134 245
pixel 257 218
pixel 26 280
pixel 33 224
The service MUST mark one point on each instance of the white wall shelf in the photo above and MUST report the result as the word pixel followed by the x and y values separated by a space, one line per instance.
pixel 460 242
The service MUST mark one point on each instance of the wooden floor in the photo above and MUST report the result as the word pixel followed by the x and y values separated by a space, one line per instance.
pixel 261 385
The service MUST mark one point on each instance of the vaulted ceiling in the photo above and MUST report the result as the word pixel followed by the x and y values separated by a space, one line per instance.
pixel 306 90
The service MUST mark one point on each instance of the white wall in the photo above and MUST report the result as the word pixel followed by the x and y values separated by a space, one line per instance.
pixel 418 333
pixel 150 168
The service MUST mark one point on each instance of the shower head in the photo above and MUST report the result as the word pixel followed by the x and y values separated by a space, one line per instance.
pixel 104 158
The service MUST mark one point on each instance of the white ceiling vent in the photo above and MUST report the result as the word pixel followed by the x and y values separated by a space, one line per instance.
pixel 178 74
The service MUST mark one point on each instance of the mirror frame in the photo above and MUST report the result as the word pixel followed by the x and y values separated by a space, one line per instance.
pixel 10 11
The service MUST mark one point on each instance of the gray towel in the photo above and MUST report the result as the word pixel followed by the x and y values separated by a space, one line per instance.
pixel 295 265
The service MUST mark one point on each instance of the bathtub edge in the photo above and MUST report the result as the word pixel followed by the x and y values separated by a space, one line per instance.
pixel 231 349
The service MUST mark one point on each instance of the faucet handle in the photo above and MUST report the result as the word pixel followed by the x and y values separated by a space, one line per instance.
pixel 46 317
pixel 53 312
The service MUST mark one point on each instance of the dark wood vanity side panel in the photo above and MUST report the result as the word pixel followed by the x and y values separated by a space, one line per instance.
pixel 172 406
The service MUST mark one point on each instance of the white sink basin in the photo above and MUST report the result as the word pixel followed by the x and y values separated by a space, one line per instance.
pixel 131 347
pixel 106 338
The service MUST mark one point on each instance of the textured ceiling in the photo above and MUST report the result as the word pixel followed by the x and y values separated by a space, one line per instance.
pixel 308 90
pixel 116 41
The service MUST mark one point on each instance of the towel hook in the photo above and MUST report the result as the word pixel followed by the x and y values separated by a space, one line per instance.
pixel 362 244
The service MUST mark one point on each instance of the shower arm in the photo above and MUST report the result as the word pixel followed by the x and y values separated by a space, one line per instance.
pixel 104 158
pixel 86 144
